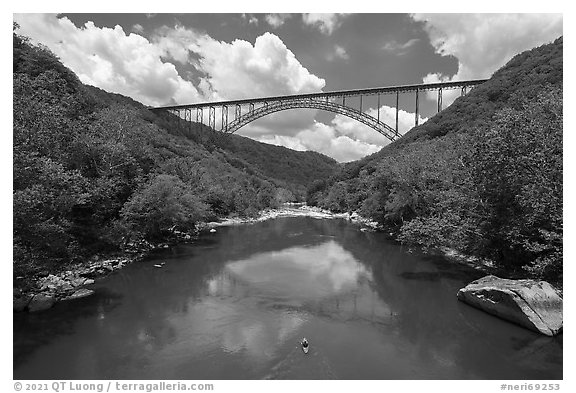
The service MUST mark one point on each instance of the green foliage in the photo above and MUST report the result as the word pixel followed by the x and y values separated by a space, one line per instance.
pixel 484 176
pixel 518 168
pixel 93 170
pixel 164 202
pixel 289 169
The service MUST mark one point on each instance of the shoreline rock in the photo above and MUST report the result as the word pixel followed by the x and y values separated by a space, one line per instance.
pixel 66 285
pixel 535 305
pixel 41 302
pixel 83 292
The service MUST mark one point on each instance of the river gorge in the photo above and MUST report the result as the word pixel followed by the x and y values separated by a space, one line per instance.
pixel 234 304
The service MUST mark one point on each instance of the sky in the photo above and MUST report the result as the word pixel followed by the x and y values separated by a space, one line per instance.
pixel 167 59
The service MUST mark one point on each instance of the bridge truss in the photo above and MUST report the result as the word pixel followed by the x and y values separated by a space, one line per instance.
pixel 248 110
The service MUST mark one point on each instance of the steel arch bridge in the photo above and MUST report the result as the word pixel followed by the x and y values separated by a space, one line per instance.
pixel 248 110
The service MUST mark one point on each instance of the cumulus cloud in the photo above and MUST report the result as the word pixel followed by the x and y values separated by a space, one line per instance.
pixel 277 20
pixel 137 28
pixel 361 132
pixel 344 139
pixel 399 49
pixel 110 59
pixel 482 43
pixel 252 20
pixel 325 139
pixel 240 69
pixel 130 64
pixel 339 53
pixel 326 23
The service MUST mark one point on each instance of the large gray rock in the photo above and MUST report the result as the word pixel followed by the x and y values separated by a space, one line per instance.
pixel 41 302
pixel 21 303
pixel 535 305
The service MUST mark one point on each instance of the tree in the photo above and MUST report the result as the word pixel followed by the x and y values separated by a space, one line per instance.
pixel 518 169
pixel 162 203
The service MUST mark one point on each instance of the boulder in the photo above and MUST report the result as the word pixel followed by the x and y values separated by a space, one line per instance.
pixel 41 302
pixel 77 281
pixel 55 283
pixel 21 303
pixel 80 294
pixel 535 305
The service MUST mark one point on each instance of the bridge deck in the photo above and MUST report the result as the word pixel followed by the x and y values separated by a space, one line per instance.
pixel 339 93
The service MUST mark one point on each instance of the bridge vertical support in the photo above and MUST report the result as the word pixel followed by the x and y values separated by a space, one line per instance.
pixel 378 108
pixel 173 119
pixel 463 92
pixel 238 113
pixel 224 126
pixel 343 100
pixel 397 108
pixel 188 117
pixel 168 117
pixel 439 99
pixel 199 116
pixel 360 102
pixel 212 118
pixel 416 115
pixel 177 119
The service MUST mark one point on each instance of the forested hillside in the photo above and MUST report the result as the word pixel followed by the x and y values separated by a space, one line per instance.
pixel 94 171
pixel 292 168
pixel 484 176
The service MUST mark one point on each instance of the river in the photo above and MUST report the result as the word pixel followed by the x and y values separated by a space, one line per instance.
pixel 234 305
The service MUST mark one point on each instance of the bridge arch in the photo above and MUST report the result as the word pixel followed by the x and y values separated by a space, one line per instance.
pixel 277 106
pixel 259 107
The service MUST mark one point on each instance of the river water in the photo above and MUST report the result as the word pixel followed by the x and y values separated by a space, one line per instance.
pixel 234 305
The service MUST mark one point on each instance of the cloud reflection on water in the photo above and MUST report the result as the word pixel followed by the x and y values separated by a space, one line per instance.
pixel 303 273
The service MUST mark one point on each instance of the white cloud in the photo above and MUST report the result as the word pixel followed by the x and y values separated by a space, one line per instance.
pixel 344 139
pixel 361 132
pixel 252 20
pixel 132 65
pixel 339 53
pixel 482 43
pixel 325 139
pixel 240 69
pixel 282 140
pixel 137 28
pixel 243 70
pixel 400 49
pixel 277 20
pixel 326 23
pixel 129 64
pixel 110 59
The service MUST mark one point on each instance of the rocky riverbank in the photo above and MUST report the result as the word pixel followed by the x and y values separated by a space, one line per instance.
pixel 75 282
pixel 66 285
pixel 297 210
